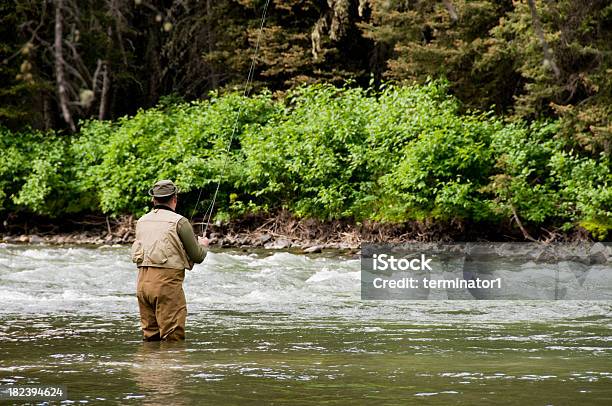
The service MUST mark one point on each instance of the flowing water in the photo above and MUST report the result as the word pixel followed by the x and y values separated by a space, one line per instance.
pixel 284 328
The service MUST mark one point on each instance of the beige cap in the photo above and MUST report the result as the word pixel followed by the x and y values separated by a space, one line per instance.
pixel 163 188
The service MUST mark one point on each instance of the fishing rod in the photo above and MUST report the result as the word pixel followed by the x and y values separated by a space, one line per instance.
pixel 249 80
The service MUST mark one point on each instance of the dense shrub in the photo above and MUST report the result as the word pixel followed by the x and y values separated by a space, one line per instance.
pixel 542 181
pixel 35 173
pixel 185 142
pixel 403 153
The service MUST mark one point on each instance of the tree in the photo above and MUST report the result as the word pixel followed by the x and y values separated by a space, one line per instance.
pixel 564 63
pixel 422 39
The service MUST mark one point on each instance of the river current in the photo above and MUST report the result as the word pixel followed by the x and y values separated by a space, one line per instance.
pixel 285 328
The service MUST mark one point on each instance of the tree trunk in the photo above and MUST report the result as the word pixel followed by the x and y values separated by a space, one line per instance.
pixel 537 27
pixel 213 75
pixel 62 87
pixel 452 12
pixel 104 93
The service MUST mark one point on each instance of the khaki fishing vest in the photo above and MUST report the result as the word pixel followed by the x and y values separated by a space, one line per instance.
pixel 157 241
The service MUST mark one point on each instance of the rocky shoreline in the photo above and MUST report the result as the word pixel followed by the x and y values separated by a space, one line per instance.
pixel 266 241
pixel 269 233
pixel 282 231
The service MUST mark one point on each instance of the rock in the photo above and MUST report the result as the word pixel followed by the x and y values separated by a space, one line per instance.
pixel 339 246
pixel 35 239
pixel 262 239
pixel 22 238
pixel 313 249
pixel 599 254
pixel 279 244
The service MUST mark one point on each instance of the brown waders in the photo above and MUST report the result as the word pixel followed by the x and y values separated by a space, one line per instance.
pixel 161 300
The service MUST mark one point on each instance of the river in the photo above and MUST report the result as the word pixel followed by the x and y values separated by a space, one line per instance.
pixel 284 328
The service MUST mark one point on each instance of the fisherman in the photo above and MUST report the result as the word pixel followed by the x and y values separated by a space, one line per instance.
pixel 165 246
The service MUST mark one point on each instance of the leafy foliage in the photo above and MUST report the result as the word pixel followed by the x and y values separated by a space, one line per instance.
pixel 405 152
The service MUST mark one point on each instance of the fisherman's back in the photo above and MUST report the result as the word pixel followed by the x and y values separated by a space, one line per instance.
pixel 165 245
pixel 158 242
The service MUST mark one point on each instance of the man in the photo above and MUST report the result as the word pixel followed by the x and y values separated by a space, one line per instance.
pixel 165 246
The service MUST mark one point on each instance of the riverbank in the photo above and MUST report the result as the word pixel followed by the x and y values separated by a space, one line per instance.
pixel 280 231
pixel 400 156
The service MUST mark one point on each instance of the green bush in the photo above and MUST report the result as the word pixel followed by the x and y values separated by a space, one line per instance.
pixel 442 171
pixel 34 174
pixel 312 159
pixel 184 142
pixel 399 154
pixel 543 182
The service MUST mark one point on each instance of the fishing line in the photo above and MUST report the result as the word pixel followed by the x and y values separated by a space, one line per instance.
pixel 249 80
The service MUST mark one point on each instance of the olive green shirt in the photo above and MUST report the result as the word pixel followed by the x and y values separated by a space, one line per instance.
pixel 195 251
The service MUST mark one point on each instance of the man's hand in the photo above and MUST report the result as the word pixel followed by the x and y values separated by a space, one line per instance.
pixel 203 241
